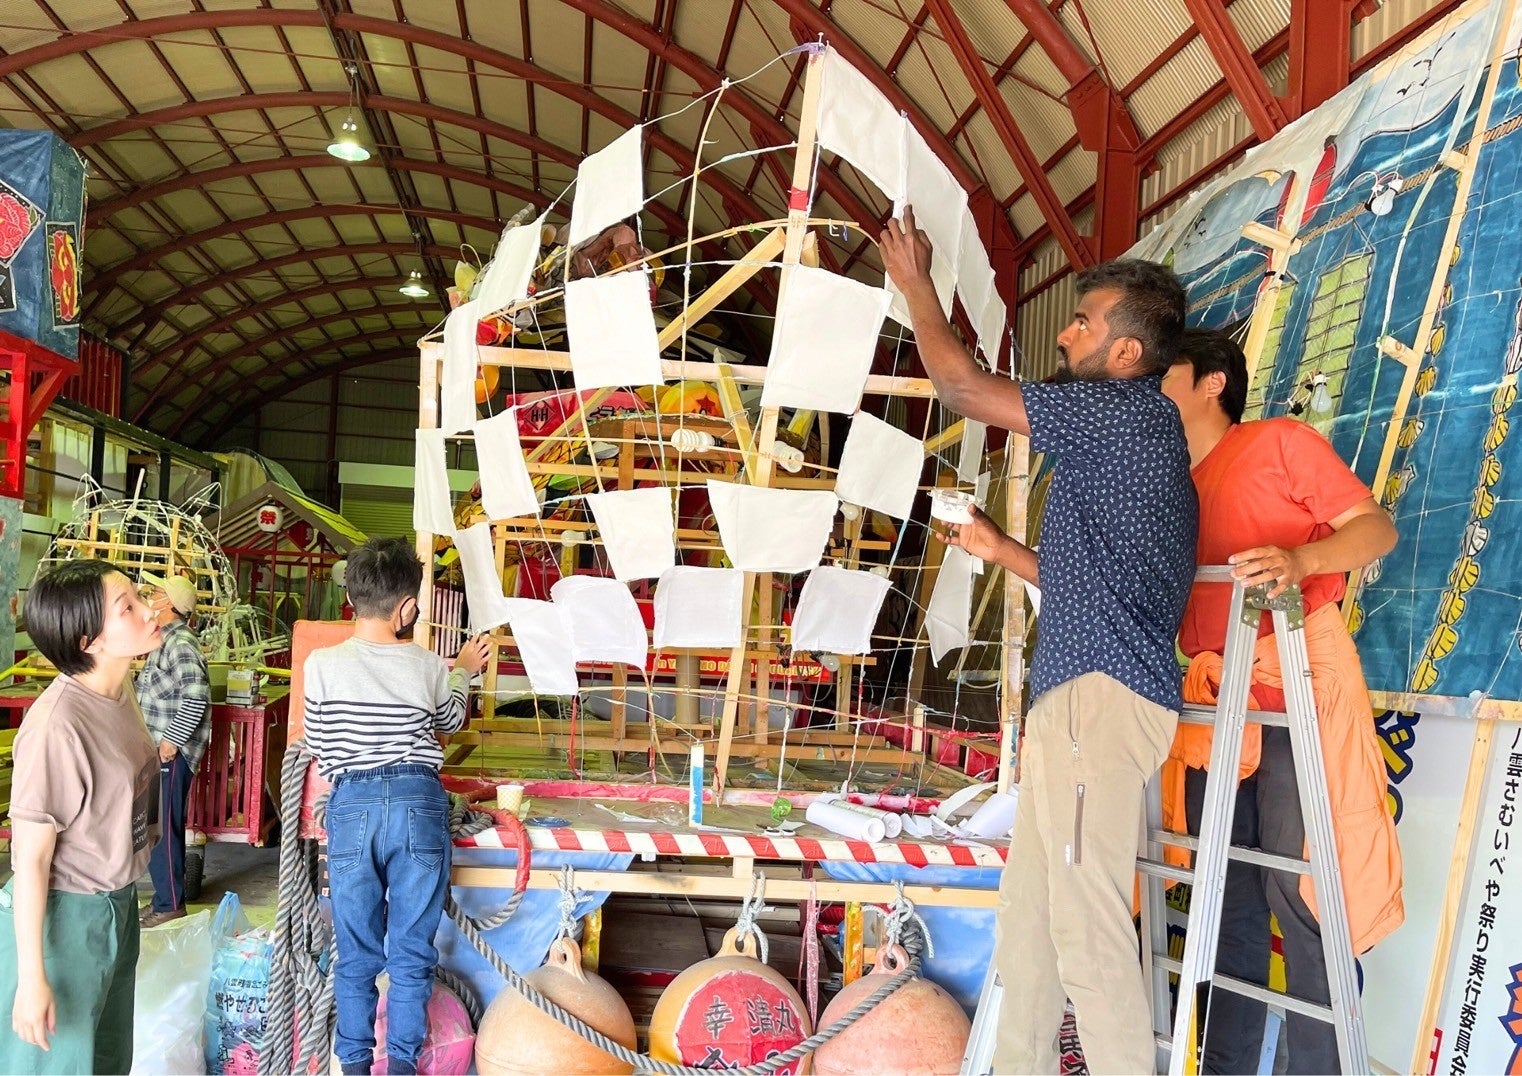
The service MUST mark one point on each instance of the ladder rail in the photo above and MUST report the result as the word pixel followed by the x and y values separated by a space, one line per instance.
pixel 1320 835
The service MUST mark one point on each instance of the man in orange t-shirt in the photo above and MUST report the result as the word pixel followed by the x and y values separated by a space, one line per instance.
pixel 1277 502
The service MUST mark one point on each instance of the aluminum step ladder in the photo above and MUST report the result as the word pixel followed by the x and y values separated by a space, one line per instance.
pixel 1175 1045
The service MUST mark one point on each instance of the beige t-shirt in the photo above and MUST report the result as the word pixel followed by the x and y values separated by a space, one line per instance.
pixel 85 765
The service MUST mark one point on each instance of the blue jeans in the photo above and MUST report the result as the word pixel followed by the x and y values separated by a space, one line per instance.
pixel 388 872
pixel 166 863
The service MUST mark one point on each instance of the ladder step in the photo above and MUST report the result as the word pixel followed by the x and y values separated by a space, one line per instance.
pixel 1240 853
pixel 1205 715
pixel 1317 1011
pixel 1166 871
pixel 1314 1009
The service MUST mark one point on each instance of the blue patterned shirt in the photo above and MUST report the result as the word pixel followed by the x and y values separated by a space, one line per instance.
pixel 1117 534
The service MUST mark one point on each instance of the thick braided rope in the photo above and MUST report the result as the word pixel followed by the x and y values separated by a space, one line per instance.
pixel 462 990
pixel 298 981
pixel 643 1062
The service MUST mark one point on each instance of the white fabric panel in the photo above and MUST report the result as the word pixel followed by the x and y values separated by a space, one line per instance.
pixel 603 620
pixel 939 203
pixel 489 607
pixel 772 530
pixel 544 646
pixel 457 379
pixel 837 610
pixel 699 607
pixel 858 122
pixel 823 341
pixel 948 617
pixel 880 466
pixel 610 185
pixel 432 509
pixel 638 530
pixel 507 278
pixel 974 440
pixel 978 289
pixel 612 331
pixel 507 491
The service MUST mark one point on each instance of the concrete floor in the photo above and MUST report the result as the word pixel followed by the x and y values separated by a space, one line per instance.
pixel 252 873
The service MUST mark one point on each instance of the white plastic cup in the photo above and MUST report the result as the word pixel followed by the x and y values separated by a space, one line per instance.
pixel 510 798
pixel 951 505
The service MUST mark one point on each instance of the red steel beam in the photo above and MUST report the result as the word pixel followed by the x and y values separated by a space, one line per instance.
pixel 103 280
pixel 209 391
pixel 150 315
pixel 103 211
pixel 1013 139
pixel 1104 124
pixel 225 324
pixel 1242 73
pixel 255 397
pixel 175 380
pixel 1320 51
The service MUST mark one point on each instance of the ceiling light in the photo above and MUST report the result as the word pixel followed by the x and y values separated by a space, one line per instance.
pixel 347 146
pixel 414 289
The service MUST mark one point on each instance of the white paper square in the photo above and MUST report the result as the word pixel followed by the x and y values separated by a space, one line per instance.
pixel 949 614
pixel 610 185
pixel 603 620
pixel 979 290
pixel 612 331
pixel 772 530
pixel 880 466
pixel 858 122
pixel 483 586
pixel 507 490
pixel 823 341
pixel 507 278
pixel 432 505
pixel 638 531
pixel 939 202
pixel 699 607
pixel 970 457
pixel 457 378
pixel 544 646
pixel 837 610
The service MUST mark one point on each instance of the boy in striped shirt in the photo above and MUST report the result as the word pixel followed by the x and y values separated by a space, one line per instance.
pixel 375 705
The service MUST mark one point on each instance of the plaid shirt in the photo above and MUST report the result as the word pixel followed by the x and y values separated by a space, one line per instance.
pixel 173 674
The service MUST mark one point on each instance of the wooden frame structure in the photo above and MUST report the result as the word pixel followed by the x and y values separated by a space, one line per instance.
pixel 742 718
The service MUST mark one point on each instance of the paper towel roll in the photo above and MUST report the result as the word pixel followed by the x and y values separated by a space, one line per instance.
pixel 995 818
pixel 893 825
pixel 839 818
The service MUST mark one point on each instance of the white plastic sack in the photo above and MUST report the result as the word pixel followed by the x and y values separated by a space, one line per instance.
pixel 168 1023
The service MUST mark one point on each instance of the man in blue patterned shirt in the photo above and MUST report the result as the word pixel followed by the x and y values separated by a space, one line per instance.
pixel 174 692
pixel 1116 564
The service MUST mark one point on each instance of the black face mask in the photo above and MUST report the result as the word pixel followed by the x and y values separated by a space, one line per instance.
pixel 407 625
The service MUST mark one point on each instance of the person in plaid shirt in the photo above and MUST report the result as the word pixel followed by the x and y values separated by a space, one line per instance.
pixel 174 692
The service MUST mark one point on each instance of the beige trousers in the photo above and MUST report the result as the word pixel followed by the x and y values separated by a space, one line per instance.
pixel 1064 927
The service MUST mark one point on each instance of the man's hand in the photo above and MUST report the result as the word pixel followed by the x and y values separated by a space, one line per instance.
pixel 167 751
pixel 981 537
pixel 906 253
pixel 34 1016
pixel 1279 568
pixel 474 654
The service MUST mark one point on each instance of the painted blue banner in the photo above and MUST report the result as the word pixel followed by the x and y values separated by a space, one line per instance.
pixel 42 212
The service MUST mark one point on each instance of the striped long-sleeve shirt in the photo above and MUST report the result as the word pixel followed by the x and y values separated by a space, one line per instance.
pixel 174 692
pixel 378 704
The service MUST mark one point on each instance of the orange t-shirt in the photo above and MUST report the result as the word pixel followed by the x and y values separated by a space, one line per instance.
pixel 1272 482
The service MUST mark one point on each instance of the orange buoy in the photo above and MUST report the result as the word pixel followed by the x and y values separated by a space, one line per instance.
pixel 517 1039
pixel 918 1030
pixel 729 1011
